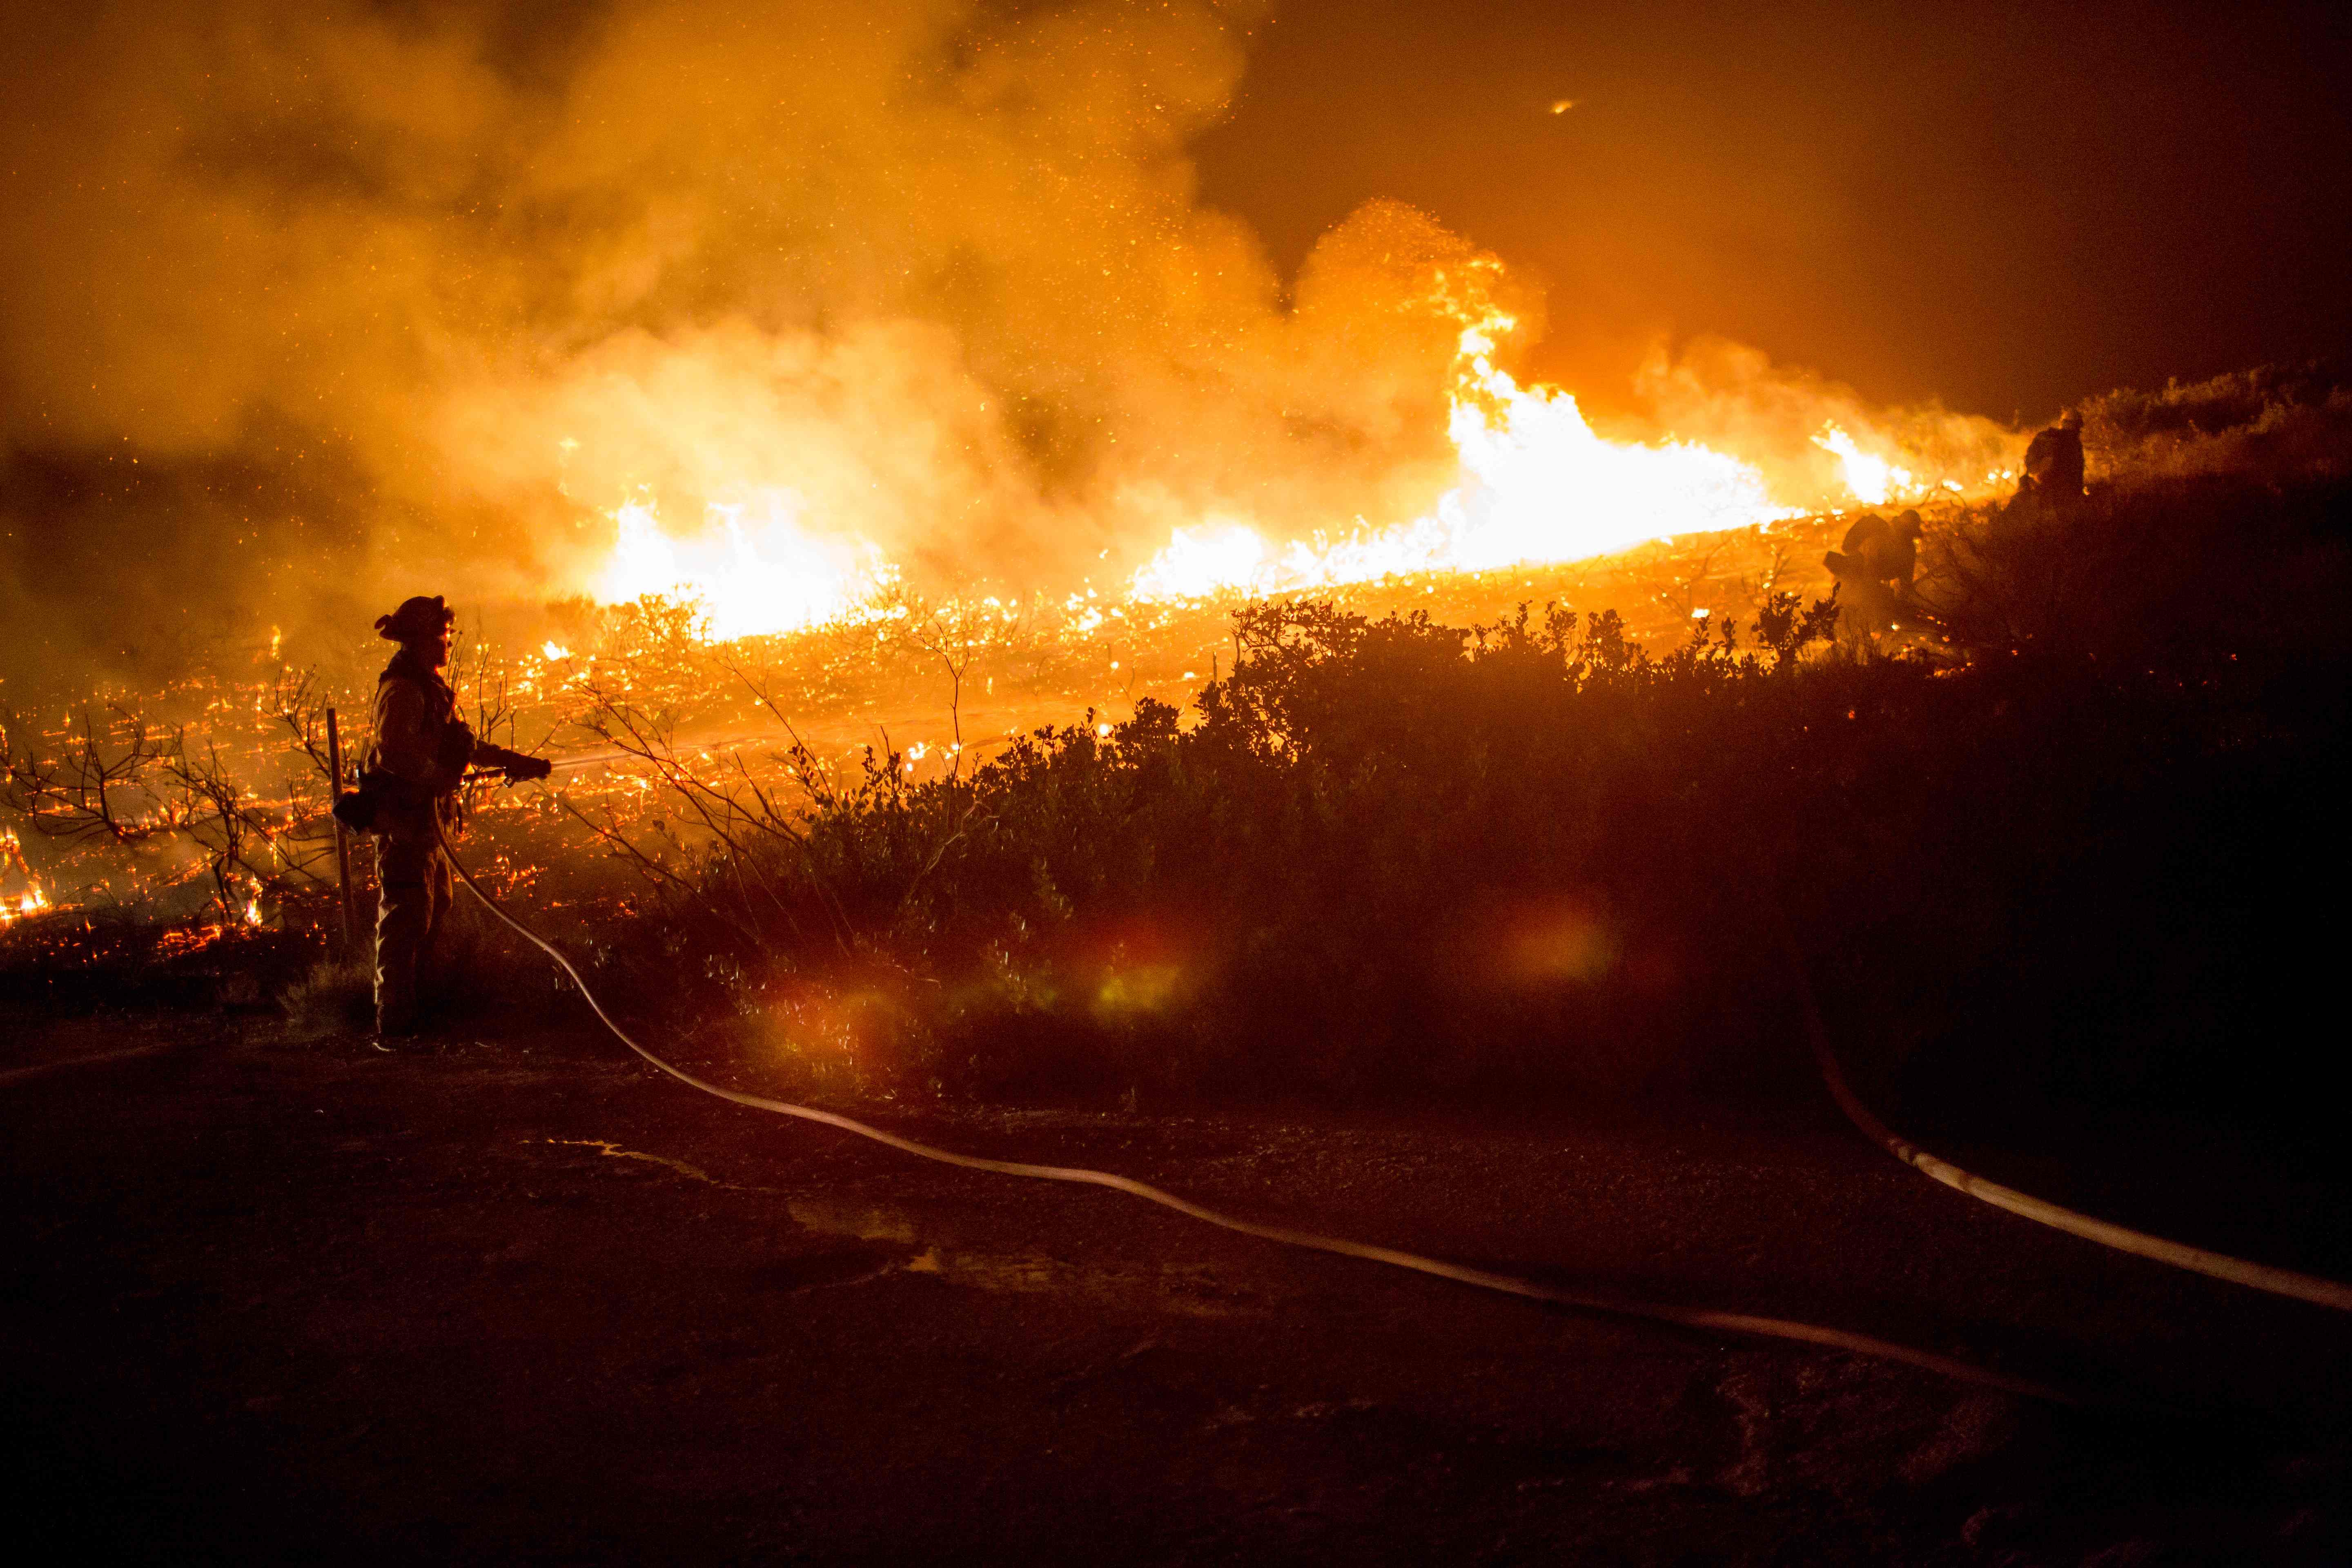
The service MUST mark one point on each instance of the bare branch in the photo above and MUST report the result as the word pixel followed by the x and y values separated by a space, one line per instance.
pixel 77 793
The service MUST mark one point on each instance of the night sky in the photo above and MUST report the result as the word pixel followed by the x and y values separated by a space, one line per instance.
pixel 2006 207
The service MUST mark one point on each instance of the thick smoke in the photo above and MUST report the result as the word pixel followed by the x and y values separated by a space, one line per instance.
pixel 309 307
pixel 1732 397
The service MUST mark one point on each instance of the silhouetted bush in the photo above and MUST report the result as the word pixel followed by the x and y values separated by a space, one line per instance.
pixel 2287 423
pixel 2222 582
pixel 2047 861
pixel 335 996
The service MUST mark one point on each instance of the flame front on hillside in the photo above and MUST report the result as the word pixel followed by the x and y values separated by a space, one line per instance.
pixel 1537 485
pixel 755 568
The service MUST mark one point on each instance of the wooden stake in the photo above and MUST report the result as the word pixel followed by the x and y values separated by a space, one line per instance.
pixel 342 847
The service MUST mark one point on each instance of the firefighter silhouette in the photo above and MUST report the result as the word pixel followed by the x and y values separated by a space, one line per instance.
pixel 2053 463
pixel 410 778
pixel 1874 567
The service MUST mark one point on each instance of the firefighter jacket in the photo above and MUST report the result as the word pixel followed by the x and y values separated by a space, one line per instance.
pixel 421 750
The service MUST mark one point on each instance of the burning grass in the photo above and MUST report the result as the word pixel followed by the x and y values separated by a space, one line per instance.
pixel 203 801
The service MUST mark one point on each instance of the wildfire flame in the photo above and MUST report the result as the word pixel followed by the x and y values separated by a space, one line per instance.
pixel 1537 485
pixel 1873 480
pixel 755 568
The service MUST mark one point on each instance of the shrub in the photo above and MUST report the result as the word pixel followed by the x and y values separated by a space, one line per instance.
pixel 1393 858
pixel 334 995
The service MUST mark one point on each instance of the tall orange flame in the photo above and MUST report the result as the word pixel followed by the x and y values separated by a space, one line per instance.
pixel 755 569
pixel 1537 485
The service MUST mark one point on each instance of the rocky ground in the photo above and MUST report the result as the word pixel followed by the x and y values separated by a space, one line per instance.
pixel 521 1299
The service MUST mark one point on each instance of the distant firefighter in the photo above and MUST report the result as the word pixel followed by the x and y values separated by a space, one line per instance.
pixel 2054 462
pixel 1873 571
pixel 408 794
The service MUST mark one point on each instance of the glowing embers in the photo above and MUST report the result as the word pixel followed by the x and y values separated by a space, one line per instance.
pixel 754 569
pixel 21 893
pixel 178 942
pixel 1538 486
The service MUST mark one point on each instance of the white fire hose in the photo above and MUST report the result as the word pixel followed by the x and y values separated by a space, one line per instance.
pixel 1741 1323
pixel 2179 1255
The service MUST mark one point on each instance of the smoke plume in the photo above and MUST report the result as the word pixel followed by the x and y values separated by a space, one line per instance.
pixel 312 307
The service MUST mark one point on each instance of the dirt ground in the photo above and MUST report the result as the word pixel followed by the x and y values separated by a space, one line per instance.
pixel 272 1298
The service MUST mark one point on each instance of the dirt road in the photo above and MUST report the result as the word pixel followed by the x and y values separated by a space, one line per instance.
pixel 519 1299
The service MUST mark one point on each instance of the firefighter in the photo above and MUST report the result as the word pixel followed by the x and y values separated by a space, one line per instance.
pixel 1874 570
pixel 2053 463
pixel 421 754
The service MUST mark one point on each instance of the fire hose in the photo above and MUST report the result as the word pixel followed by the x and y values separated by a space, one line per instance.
pixel 1740 1323
pixel 2106 1233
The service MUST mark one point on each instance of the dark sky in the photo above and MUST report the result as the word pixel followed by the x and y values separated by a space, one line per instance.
pixel 2005 206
